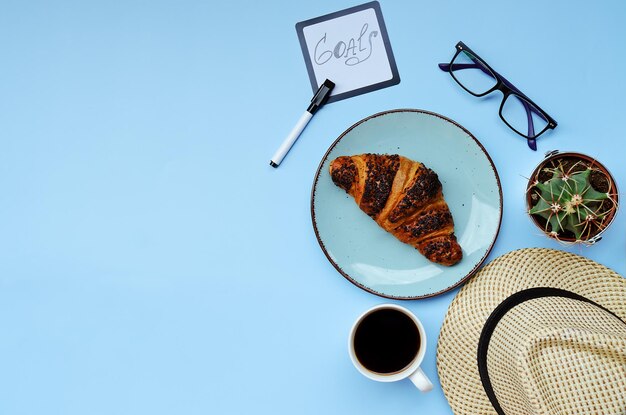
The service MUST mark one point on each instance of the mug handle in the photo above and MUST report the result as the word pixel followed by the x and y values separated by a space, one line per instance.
pixel 421 381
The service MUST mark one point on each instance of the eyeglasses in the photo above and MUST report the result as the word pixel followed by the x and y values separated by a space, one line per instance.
pixel 517 111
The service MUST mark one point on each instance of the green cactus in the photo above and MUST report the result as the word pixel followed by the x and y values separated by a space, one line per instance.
pixel 568 202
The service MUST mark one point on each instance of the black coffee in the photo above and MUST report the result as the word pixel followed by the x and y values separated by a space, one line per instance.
pixel 386 341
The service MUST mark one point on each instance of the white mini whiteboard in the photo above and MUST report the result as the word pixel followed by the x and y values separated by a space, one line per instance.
pixel 351 48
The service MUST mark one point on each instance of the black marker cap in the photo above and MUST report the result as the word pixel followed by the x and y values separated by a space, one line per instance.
pixel 321 96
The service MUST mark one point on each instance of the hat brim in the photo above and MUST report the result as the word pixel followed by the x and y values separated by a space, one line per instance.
pixel 513 272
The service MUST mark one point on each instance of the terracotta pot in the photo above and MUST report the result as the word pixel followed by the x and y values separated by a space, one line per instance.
pixel 556 155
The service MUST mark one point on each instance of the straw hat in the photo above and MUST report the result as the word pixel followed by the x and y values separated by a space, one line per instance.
pixel 509 345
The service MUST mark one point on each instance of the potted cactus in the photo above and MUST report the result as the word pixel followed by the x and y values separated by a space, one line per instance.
pixel 571 197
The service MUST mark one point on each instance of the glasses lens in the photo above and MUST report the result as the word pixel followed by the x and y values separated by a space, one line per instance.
pixel 522 116
pixel 472 74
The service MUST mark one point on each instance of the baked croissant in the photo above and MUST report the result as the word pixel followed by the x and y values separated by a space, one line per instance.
pixel 405 198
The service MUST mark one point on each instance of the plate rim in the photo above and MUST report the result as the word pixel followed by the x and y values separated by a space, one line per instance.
pixel 345 274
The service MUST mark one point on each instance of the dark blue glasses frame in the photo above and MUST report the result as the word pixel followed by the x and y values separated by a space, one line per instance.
pixel 504 86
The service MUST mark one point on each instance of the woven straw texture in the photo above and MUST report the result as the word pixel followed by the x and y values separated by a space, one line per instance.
pixel 566 357
pixel 504 276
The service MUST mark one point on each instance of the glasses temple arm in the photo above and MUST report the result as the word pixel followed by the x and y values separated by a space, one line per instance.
pixel 446 67
pixel 531 126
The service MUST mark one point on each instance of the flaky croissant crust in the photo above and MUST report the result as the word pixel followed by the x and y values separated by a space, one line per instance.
pixel 405 198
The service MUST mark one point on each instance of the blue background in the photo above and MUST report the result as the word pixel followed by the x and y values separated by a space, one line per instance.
pixel 151 261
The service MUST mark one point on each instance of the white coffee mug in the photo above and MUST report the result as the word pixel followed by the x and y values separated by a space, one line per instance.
pixel 412 370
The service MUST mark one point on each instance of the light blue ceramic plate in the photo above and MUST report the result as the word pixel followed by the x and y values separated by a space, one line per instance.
pixel 372 258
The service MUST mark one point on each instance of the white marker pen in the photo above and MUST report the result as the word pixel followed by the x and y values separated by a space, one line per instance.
pixel 319 99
